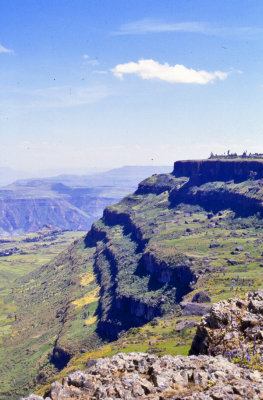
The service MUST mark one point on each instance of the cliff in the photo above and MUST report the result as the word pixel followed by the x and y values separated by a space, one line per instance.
pixel 202 171
pixel 197 229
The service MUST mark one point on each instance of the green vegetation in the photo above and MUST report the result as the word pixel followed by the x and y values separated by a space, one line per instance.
pixel 158 337
pixel 29 302
pixel 169 240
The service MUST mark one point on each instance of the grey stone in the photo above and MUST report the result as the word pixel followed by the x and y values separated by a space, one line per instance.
pixel 240 248
pixel 190 308
pixel 186 324
pixel 201 297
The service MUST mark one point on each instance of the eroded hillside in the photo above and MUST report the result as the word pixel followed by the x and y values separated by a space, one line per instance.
pixel 195 229
pixel 68 202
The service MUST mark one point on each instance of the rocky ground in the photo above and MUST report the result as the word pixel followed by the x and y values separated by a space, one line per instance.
pixel 231 337
pixel 139 375
pixel 233 328
pixel 133 283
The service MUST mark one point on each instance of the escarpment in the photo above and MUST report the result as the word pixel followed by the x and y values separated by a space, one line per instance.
pixel 136 238
pixel 201 171
pixel 199 228
pixel 221 197
pixel 217 185
pixel 136 285
pixel 176 272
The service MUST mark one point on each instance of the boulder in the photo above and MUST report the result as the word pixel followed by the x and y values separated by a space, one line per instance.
pixel 186 324
pixel 240 248
pixel 214 245
pixel 190 308
pixel 201 297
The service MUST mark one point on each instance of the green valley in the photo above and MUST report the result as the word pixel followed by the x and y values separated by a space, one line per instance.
pixel 135 280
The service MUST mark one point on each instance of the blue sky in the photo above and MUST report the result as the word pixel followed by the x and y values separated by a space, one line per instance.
pixel 87 83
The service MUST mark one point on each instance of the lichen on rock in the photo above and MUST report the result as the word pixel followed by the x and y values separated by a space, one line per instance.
pixel 233 328
pixel 140 375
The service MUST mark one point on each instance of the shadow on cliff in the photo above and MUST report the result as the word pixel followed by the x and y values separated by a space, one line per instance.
pixel 216 200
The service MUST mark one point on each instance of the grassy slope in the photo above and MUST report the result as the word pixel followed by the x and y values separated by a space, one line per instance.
pixel 165 227
pixel 29 301
pixel 162 228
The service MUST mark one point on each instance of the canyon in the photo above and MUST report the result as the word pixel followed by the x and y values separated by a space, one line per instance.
pixel 131 282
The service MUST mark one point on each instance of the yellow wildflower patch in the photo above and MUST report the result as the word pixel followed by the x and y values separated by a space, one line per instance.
pixel 86 279
pixel 90 297
pixel 90 320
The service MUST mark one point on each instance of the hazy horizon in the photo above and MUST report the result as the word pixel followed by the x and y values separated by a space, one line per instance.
pixel 10 175
pixel 87 84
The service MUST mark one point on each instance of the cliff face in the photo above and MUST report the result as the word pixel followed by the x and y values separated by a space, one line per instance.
pixel 126 271
pixel 198 228
pixel 134 239
pixel 20 216
pixel 218 170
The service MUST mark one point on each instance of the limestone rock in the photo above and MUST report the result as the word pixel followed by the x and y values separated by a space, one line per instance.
pixel 233 325
pixel 139 375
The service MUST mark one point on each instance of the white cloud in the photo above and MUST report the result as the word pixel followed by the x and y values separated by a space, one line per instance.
pixel 85 56
pixel 148 25
pixel 150 69
pixel 5 50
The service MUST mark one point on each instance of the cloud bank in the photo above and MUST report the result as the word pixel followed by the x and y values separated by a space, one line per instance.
pixel 150 69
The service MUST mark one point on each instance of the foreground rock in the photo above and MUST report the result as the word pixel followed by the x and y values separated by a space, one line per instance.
pixel 142 376
pixel 232 328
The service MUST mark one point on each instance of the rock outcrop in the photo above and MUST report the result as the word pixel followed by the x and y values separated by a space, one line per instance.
pixel 179 232
pixel 218 170
pixel 233 328
pixel 139 375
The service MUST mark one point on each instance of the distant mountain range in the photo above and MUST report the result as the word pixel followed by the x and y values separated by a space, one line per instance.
pixel 69 202
pixel 8 175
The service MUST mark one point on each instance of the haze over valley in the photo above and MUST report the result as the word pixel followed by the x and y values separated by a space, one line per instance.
pixel 131 200
pixel 68 202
